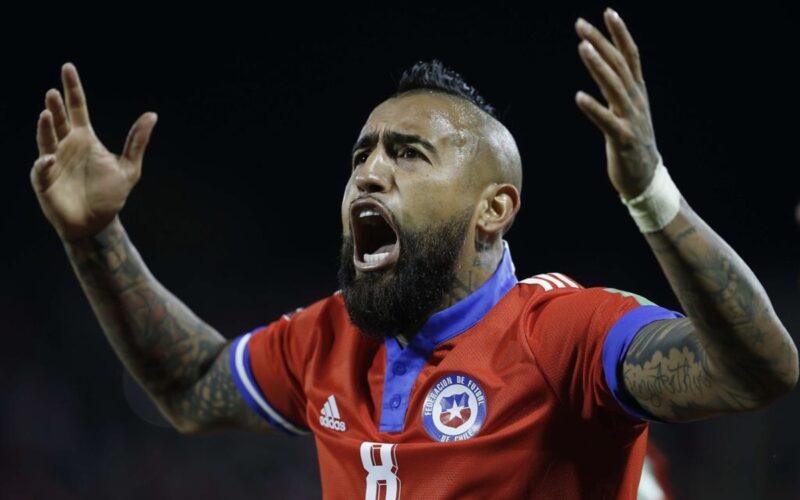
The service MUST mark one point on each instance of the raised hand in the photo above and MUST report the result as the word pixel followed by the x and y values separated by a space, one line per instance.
pixel 81 186
pixel 626 122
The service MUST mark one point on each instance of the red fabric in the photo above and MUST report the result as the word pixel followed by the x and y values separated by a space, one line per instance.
pixel 552 428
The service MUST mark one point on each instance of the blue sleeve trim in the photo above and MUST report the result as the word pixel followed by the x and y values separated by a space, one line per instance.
pixel 616 346
pixel 239 360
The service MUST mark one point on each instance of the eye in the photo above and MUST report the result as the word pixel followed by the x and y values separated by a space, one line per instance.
pixel 409 153
pixel 360 157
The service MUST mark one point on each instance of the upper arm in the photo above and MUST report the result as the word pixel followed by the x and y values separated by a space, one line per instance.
pixel 578 341
pixel 669 373
pixel 214 402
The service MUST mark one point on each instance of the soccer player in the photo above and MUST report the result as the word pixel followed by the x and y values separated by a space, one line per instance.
pixel 434 372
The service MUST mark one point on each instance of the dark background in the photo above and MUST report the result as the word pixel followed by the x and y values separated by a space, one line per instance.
pixel 237 211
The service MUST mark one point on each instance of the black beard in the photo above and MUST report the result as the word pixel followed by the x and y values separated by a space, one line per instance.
pixel 400 299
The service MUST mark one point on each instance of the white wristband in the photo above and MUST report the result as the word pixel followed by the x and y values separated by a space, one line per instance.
pixel 658 204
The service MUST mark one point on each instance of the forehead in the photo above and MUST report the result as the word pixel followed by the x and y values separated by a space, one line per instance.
pixel 437 117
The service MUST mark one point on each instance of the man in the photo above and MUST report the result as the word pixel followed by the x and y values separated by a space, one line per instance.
pixel 434 372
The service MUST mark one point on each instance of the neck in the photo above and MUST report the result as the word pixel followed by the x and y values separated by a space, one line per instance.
pixel 476 265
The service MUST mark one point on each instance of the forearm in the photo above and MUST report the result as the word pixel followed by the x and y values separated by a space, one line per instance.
pixel 727 305
pixel 158 338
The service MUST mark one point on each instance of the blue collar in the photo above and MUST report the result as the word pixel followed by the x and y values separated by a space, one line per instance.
pixel 404 365
pixel 449 322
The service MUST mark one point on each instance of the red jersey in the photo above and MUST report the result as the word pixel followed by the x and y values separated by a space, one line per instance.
pixel 513 392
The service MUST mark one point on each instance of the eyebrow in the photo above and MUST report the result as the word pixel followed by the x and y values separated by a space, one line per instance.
pixel 393 137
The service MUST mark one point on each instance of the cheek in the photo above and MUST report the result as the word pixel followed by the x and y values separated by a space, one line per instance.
pixel 439 202
pixel 345 225
pixel 430 206
pixel 345 221
pixel 345 208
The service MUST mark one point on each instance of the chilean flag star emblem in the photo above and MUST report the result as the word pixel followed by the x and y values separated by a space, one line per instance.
pixel 454 409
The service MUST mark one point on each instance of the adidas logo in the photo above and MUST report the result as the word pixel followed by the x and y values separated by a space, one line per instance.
pixel 329 416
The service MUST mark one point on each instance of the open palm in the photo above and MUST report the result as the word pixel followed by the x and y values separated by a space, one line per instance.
pixel 81 186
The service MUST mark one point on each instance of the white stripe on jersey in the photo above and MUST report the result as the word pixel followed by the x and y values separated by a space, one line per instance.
pixel 326 410
pixel 548 280
pixel 536 281
pixel 566 280
pixel 254 393
pixel 551 279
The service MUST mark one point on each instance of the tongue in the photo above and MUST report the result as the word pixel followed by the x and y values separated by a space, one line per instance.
pixel 384 248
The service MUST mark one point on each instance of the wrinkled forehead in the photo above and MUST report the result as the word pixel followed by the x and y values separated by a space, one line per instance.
pixel 443 120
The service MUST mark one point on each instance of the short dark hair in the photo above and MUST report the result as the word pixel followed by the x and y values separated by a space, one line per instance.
pixel 436 76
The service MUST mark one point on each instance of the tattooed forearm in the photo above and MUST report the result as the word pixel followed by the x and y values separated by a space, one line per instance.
pixel 170 351
pixel 732 352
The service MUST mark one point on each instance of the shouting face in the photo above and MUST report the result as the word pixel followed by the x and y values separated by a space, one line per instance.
pixel 410 209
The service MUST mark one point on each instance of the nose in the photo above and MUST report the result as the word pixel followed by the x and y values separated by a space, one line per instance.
pixel 375 174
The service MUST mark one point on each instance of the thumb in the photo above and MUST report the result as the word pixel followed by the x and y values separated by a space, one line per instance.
pixel 40 172
pixel 138 137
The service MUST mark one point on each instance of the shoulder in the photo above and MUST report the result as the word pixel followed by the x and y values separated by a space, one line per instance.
pixel 324 308
pixel 559 293
pixel 539 290
pixel 296 335
pixel 554 314
pixel 548 282
pixel 304 325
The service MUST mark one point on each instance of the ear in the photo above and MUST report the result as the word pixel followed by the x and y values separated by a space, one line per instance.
pixel 498 206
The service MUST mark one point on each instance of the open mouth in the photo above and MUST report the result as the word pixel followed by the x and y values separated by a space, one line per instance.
pixel 376 244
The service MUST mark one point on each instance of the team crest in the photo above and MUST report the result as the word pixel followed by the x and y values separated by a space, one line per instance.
pixel 454 409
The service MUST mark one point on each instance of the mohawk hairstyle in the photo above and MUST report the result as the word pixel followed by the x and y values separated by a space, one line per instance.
pixel 436 76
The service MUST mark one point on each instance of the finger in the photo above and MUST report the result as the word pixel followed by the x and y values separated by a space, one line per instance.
pixel 45 134
pixel 138 137
pixel 76 100
pixel 605 120
pixel 608 81
pixel 607 51
pixel 54 103
pixel 40 171
pixel 623 39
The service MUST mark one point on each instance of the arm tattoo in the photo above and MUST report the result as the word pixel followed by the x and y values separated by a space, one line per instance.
pixel 669 373
pixel 215 402
pixel 178 359
pixel 731 354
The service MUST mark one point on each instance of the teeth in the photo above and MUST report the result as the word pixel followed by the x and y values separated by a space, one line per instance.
pixel 367 213
pixel 371 258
